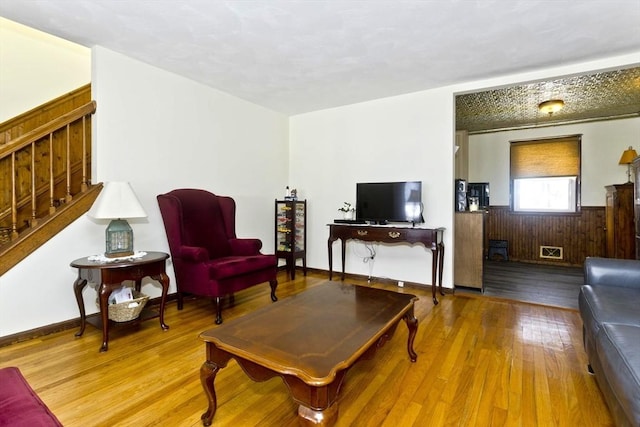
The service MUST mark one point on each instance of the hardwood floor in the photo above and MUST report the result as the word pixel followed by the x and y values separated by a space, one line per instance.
pixel 552 285
pixel 481 362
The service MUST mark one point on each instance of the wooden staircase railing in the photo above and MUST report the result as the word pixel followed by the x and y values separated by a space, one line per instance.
pixel 44 175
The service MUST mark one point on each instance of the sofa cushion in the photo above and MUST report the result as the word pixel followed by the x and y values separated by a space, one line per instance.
pixel 618 352
pixel 20 406
pixel 608 304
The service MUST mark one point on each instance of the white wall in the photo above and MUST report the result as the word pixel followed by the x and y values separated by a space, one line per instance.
pixel 602 146
pixel 158 131
pixel 37 67
pixel 404 138
pixel 401 138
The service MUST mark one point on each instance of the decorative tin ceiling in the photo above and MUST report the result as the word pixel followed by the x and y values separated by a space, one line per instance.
pixel 600 96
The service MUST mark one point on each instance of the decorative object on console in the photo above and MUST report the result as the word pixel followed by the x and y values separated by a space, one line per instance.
pixel 117 201
pixel 348 211
pixel 626 159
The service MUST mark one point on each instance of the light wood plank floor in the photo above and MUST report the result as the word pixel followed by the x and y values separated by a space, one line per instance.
pixel 481 362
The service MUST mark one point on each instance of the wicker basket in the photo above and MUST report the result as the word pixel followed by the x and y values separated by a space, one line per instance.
pixel 126 311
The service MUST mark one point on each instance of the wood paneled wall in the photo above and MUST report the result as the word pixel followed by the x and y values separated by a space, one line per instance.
pixel 18 126
pixel 45 158
pixel 580 235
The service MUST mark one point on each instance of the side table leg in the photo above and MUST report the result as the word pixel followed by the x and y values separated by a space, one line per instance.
pixel 78 286
pixel 103 293
pixel 164 281
pixel 412 324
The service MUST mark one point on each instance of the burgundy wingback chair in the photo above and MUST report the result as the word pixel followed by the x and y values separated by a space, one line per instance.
pixel 208 259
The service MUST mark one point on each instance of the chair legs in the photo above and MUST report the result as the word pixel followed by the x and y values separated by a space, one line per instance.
pixel 218 310
pixel 220 300
pixel 180 301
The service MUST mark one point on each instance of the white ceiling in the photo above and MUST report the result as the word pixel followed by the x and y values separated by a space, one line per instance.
pixel 296 56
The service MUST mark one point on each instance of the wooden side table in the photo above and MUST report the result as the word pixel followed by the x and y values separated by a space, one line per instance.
pixel 110 275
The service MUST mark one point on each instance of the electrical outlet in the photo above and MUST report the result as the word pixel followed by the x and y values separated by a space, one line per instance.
pixel 400 284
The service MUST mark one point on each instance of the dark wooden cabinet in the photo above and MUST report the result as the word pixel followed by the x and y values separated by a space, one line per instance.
pixel 291 233
pixel 620 221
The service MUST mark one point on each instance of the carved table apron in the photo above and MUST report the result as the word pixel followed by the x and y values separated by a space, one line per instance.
pixel 431 238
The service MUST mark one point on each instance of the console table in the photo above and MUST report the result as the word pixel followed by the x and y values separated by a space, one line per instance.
pixel 110 275
pixel 431 238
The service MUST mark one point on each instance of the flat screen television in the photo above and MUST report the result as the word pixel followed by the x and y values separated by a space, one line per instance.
pixel 383 202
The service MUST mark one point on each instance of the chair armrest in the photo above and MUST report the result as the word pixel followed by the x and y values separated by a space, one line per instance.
pixel 245 246
pixel 612 272
pixel 193 253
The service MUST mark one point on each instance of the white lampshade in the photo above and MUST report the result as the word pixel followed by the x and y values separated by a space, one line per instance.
pixel 117 200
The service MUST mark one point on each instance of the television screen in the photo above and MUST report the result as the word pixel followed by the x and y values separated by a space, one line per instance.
pixel 383 202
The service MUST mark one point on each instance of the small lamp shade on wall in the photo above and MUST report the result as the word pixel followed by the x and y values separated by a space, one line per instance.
pixel 626 159
pixel 117 202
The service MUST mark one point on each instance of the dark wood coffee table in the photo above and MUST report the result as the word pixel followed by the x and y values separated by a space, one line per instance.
pixel 310 340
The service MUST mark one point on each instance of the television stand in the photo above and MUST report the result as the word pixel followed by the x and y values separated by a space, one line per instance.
pixel 431 238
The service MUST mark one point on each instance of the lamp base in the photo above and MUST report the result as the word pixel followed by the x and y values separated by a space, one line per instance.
pixel 119 239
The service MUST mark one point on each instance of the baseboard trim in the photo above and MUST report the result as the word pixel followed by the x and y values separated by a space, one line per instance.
pixel 75 323
pixel 61 326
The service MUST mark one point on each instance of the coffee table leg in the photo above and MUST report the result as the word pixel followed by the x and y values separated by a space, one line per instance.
pixel 412 324
pixel 208 372
pixel 311 417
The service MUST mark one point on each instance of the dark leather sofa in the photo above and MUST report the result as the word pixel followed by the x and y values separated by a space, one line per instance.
pixel 609 303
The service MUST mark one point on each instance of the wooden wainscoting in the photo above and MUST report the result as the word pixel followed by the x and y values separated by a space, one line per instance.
pixel 579 235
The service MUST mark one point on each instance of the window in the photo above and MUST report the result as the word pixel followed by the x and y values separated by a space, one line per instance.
pixel 545 175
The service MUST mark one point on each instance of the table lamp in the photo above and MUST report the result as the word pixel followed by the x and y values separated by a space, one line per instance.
pixel 117 201
pixel 627 159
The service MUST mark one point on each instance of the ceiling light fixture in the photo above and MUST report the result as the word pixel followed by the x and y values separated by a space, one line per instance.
pixel 551 106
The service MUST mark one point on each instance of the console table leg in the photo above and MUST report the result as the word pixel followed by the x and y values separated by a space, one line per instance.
pixel 434 271
pixel 441 253
pixel 312 417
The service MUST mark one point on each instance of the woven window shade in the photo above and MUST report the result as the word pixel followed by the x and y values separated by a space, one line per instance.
pixel 545 158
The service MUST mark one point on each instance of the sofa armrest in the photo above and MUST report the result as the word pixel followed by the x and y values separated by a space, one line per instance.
pixel 245 246
pixel 193 254
pixel 612 272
